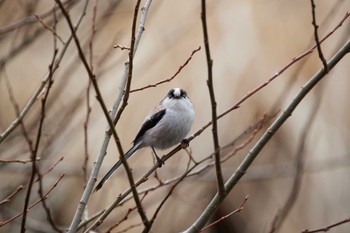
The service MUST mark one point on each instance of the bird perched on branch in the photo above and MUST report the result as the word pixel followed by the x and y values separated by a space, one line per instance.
pixel 167 125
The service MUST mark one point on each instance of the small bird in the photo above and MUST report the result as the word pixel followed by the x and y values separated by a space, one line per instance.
pixel 167 125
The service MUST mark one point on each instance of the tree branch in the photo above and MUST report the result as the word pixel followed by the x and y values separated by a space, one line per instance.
pixel 220 180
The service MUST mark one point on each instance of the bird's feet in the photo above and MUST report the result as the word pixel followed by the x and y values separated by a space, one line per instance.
pixel 184 143
pixel 159 161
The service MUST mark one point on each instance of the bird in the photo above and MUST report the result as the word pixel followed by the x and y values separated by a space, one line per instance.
pixel 165 126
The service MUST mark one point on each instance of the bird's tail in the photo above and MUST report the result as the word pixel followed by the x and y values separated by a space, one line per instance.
pixel 115 167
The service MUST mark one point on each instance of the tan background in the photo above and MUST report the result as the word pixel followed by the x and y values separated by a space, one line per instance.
pixel 250 41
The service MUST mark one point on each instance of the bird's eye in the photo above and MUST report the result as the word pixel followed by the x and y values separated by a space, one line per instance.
pixel 183 94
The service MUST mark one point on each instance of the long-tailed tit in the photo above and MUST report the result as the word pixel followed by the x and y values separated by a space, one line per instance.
pixel 165 126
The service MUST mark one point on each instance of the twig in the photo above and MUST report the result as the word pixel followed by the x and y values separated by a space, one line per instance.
pixel 34 204
pixel 18 160
pixel 319 50
pixel 172 77
pixel 220 179
pixel 48 28
pixel 125 102
pixel 8 198
pixel 121 47
pixel 327 228
pixel 239 209
pixel 128 65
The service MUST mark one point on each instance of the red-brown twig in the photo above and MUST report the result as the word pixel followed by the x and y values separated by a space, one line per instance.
pixel 214 118
pixel 319 50
pixel 49 28
pixel 8 198
pixel 327 228
pixel 121 47
pixel 172 77
pixel 239 209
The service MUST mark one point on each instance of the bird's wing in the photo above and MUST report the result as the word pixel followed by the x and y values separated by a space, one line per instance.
pixel 149 123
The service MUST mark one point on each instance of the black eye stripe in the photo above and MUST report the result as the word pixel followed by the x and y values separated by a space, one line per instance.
pixel 177 94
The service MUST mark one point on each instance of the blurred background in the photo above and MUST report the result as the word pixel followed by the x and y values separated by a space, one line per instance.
pixel 299 181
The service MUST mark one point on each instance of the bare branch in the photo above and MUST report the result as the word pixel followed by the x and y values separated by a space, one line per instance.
pixel 220 179
pixel 172 77
pixel 319 50
pixel 239 209
pixel 327 228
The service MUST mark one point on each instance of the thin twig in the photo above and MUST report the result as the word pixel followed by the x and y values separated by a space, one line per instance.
pixel 239 209
pixel 8 198
pixel 48 28
pixel 34 150
pixel 220 179
pixel 18 160
pixel 172 77
pixel 327 228
pixel 121 47
pixel 319 50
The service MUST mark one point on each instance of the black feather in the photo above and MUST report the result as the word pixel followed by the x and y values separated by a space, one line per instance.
pixel 149 124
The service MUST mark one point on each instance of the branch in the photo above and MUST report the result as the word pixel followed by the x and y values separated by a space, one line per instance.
pixel 220 180
pixel 239 209
pixel 319 50
pixel 172 77
pixel 327 228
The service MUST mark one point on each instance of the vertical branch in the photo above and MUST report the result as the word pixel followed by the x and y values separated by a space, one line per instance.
pixel 34 150
pixel 133 46
pixel 40 177
pixel 220 179
pixel 319 50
